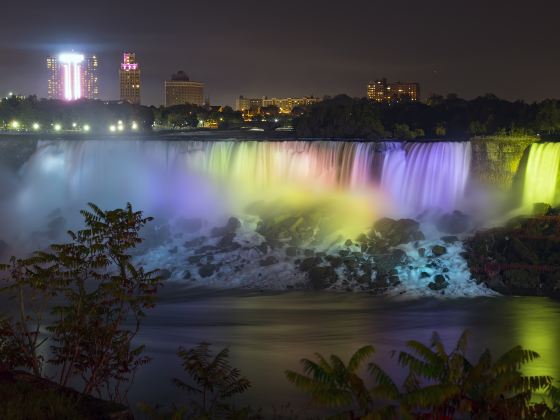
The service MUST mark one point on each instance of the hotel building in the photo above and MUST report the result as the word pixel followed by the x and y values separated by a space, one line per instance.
pixel 383 91
pixel 129 78
pixel 73 76
pixel 180 90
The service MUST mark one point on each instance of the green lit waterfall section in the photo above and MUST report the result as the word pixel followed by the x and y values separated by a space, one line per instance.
pixel 541 175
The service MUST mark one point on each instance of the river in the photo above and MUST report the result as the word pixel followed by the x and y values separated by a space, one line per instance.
pixel 270 332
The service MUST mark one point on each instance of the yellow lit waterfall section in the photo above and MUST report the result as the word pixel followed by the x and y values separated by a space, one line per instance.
pixel 541 175
pixel 312 179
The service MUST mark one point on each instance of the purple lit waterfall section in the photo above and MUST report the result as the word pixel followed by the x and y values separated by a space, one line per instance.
pixel 420 177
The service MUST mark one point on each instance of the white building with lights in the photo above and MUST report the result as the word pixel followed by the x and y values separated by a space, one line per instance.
pixel 73 76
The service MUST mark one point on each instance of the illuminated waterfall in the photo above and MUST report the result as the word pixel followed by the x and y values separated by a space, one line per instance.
pixel 410 178
pixel 541 175
pixel 427 176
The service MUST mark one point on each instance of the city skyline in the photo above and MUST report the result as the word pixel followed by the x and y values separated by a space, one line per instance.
pixel 469 49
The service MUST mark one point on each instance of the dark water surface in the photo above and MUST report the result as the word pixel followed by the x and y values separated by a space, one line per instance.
pixel 270 332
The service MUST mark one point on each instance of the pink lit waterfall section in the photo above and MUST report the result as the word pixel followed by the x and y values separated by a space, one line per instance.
pixel 411 178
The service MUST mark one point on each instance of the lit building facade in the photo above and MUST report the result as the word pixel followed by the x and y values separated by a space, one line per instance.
pixel 73 76
pixel 129 77
pixel 180 90
pixel 285 105
pixel 383 91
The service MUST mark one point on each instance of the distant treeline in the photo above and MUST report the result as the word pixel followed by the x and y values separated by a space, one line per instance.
pixel 338 117
pixel 439 117
pixel 25 113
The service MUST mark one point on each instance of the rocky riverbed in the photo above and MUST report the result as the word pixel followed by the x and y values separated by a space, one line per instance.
pixel 297 250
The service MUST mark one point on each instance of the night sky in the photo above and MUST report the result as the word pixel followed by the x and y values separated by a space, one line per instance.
pixel 292 48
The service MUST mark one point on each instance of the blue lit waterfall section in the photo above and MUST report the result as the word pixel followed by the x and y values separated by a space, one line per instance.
pixel 409 178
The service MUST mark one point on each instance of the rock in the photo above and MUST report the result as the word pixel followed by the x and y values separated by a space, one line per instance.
pixel 187 275
pixel 449 239
pixel 292 251
pixel 321 277
pixel 334 260
pixel 233 224
pixel 424 275
pixel 165 274
pixel 439 283
pixel 521 281
pixel 227 240
pixel 308 263
pixel 174 250
pixel 270 260
pixel 396 232
pixel 541 209
pixel 263 247
pixel 387 263
pixel 231 227
pixel 439 250
pixel 453 223
pixel 308 252
pixel 522 252
pixel 498 286
pixel 348 242
pixel 421 252
pixel 207 270
pixel 362 238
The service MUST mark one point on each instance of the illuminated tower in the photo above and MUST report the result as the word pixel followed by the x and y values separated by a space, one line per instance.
pixel 129 76
pixel 73 76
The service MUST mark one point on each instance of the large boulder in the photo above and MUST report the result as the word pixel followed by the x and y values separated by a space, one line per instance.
pixel 439 283
pixel 396 232
pixel 454 223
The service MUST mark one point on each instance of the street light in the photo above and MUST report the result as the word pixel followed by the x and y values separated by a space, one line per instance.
pixel 15 125
pixel 134 126
pixel 112 128
pixel 36 126
pixel 86 127
pixel 57 127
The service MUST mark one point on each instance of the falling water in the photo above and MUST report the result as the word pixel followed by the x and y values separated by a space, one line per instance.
pixel 541 175
pixel 423 177
pixel 412 178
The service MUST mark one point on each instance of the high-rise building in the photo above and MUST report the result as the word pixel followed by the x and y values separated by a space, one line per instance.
pixel 383 91
pixel 129 76
pixel 73 76
pixel 180 90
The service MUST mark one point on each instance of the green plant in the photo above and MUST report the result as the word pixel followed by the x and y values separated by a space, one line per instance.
pixel 102 293
pixel 334 384
pixel 448 384
pixel 213 380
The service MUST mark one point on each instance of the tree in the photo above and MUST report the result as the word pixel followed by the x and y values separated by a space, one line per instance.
pixel 101 289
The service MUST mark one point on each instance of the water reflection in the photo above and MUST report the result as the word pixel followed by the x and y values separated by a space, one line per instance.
pixel 268 333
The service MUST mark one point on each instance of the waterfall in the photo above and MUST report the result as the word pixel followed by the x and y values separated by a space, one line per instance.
pixel 420 177
pixel 541 175
pixel 411 178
